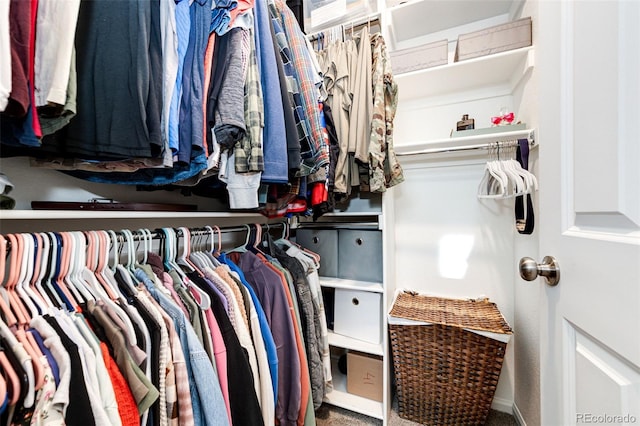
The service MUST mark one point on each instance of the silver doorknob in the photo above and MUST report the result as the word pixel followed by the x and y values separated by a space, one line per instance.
pixel 549 269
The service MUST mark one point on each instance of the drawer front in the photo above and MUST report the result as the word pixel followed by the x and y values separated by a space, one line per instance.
pixel 325 243
pixel 357 314
pixel 360 255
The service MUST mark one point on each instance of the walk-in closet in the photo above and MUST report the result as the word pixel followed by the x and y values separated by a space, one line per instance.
pixel 319 212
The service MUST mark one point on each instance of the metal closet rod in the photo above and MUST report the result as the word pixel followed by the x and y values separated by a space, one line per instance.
pixel 157 234
pixel 356 24
pixel 484 146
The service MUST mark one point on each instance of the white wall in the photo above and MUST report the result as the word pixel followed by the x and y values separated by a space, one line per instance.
pixel 527 294
pixel 451 244
pixel 437 205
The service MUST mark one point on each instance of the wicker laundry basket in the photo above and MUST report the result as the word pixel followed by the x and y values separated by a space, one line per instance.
pixel 446 374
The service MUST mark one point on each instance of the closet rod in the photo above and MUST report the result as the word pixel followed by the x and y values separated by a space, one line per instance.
pixel 157 233
pixel 484 146
pixel 372 19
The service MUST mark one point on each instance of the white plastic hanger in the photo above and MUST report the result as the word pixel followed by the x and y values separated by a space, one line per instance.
pixel 28 264
pixel 79 264
pixel 30 288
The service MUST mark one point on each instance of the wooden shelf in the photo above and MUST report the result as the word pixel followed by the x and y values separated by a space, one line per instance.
pixel 340 341
pixel 373 287
pixel 341 398
pixel 500 73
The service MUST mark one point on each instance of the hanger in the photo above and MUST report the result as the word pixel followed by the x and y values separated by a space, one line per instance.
pixel 30 288
pixel 65 262
pixel 102 271
pixel 494 182
pixel 28 264
pixel 18 273
pixel 47 268
pixel 211 253
pixel 9 317
pixel 204 301
pixel 183 259
pixel 89 270
pixel 79 248
pixel 243 248
pixel 12 383
pixel 15 271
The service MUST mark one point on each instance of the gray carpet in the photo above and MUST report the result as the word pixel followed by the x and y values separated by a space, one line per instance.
pixel 328 415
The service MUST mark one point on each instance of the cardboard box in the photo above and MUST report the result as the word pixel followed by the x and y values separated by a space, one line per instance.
pixel 420 57
pixel 509 36
pixel 364 375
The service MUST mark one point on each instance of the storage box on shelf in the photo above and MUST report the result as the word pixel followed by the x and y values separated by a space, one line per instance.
pixel 358 314
pixel 496 39
pixel 364 375
pixel 420 57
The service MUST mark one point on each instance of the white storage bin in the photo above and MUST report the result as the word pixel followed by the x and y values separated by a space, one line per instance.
pixel 357 314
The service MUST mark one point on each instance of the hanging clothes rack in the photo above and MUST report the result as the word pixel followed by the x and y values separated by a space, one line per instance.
pixel 157 234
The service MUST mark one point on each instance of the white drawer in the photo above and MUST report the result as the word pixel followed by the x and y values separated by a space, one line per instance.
pixel 357 314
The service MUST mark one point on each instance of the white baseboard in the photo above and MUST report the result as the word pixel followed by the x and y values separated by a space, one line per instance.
pixel 518 415
pixel 502 404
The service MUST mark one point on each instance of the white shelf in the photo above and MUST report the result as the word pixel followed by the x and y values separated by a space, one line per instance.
pixel 341 398
pixel 501 70
pixel 351 284
pixel 416 18
pixel 448 145
pixel 83 214
pixel 340 341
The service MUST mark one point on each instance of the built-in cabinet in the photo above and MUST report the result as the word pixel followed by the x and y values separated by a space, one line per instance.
pixel 359 292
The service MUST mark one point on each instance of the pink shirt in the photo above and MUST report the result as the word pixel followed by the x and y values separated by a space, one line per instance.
pixel 220 355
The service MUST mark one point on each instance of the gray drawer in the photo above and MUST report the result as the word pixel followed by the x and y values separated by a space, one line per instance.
pixel 360 254
pixel 325 243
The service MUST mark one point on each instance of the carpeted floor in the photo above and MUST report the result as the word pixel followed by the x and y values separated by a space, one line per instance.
pixel 328 415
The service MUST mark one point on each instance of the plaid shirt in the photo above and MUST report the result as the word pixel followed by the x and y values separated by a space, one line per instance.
pixel 309 85
pixel 295 99
pixel 249 155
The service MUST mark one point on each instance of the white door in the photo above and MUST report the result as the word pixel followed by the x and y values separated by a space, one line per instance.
pixel 588 58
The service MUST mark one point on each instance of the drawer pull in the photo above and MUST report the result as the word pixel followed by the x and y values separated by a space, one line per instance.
pixel 359 241
pixel 355 301
pixel 316 240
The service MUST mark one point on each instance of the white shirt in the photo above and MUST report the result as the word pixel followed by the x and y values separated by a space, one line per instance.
pixel 55 37
pixel 5 55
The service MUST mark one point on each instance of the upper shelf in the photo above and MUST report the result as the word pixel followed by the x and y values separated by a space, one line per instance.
pixel 466 143
pixel 416 18
pixel 500 72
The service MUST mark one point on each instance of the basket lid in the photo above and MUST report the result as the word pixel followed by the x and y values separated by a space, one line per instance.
pixel 480 315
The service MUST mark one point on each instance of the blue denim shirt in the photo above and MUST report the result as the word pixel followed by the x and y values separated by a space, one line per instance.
pixel 206 397
pixel 183 26
pixel 269 343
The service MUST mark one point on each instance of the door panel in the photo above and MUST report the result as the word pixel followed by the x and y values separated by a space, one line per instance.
pixel 589 62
